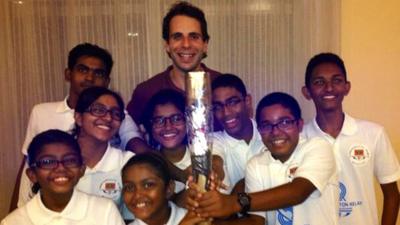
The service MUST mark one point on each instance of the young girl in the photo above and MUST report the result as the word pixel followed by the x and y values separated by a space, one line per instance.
pixel 98 115
pixel 165 121
pixel 147 187
pixel 55 166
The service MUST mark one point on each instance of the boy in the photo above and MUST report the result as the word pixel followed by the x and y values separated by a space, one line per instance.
pixel 239 140
pixel 362 148
pixel 294 181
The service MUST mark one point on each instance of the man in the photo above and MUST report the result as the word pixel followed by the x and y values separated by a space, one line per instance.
pixel 186 43
pixel 294 181
pixel 239 140
pixel 88 65
pixel 362 148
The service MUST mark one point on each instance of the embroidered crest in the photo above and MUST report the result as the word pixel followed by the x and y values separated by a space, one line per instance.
pixel 110 188
pixel 359 155
pixel 292 170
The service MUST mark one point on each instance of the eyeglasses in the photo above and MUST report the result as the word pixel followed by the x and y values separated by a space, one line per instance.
pixel 176 120
pixel 101 73
pixel 51 163
pixel 230 103
pixel 101 110
pixel 282 125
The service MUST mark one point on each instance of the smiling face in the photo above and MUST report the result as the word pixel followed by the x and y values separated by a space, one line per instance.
pixel 185 44
pixel 172 133
pixel 280 142
pixel 60 180
pixel 231 111
pixel 99 128
pixel 327 87
pixel 146 194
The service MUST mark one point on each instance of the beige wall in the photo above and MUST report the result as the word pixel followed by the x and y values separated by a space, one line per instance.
pixel 371 51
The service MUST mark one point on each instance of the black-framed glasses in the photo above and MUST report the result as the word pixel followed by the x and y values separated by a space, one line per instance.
pixel 98 72
pixel 282 125
pixel 49 163
pixel 100 110
pixel 230 103
pixel 160 121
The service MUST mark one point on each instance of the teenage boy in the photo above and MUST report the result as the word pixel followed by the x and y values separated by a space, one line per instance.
pixel 184 31
pixel 294 180
pixel 88 65
pixel 239 140
pixel 362 149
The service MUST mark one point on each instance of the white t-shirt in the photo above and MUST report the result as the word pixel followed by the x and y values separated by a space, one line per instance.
pixel 362 151
pixel 236 153
pixel 82 209
pixel 313 160
pixel 57 115
pixel 102 180
pixel 175 218
pixel 183 164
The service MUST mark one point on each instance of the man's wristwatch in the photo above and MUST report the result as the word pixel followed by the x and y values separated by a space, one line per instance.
pixel 244 202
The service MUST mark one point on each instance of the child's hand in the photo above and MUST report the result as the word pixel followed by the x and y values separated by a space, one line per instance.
pixel 215 204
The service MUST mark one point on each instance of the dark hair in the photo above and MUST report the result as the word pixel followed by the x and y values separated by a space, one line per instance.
pixel 280 98
pixel 321 58
pixel 229 80
pixel 186 9
pixel 165 96
pixel 152 159
pixel 87 49
pixel 90 95
pixel 50 137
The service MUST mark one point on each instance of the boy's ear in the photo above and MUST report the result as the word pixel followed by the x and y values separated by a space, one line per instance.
pixel 306 93
pixel 170 189
pixel 348 87
pixel 249 105
pixel 67 74
pixel 31 175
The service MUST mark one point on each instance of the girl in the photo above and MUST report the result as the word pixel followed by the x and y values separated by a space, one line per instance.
pixel 55 166
pixel 147 187
pixel 98 116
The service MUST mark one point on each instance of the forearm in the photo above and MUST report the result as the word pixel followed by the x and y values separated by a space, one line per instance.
pixel 391 201
pixel 288 194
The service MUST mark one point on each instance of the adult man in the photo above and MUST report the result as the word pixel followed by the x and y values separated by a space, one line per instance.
pixel 186 43
pixel 362 148
pixel 88 65
pixel 294 181
pixel 239 140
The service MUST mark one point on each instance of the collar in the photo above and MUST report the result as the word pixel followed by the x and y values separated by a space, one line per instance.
pixel 349 126
pixel 41 215
pixel 234 141
pixel 109 161
pixel 63 106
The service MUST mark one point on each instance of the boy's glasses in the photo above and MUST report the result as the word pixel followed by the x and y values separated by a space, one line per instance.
pixel 230 103
pixel 176 120
pixel 282 125
pixel 101 110
pixel 51 163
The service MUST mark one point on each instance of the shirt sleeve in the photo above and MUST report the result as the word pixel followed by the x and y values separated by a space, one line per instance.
pixel 254 180
pixel 318 165
pixel 128 131
pixel 386 164
pixel 31 131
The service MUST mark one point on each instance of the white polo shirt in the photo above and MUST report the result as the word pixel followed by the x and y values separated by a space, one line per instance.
pixel 236 153
pixel 313 160
pixel 82 209
pixel 58 115
pixel 177 214
pixel 362 151
pixel 105 178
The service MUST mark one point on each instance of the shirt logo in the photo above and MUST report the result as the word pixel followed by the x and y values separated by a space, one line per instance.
pixel 285 216
pixel 345 206
pixel 291 171
pixel 110 189
pixel 359 155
